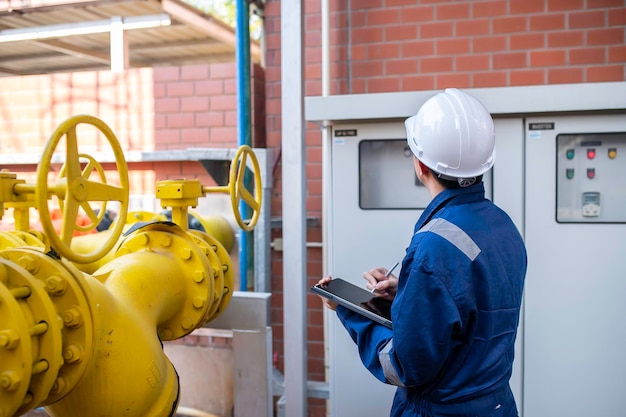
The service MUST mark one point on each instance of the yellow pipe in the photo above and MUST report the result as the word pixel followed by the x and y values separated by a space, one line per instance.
pixel 89 244
pixel 130 375
pixel 159 280
pixel 219 228
pixel 90 344
pixel 140 280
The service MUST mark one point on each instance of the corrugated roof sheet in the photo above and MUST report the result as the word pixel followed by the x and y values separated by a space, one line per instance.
pixel 192 37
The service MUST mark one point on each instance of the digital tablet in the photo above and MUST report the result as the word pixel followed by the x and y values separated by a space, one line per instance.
pixel 356 299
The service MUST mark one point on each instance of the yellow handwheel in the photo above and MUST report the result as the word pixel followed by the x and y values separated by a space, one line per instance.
pixel 238 190
pixel 76 191
pixel 92 165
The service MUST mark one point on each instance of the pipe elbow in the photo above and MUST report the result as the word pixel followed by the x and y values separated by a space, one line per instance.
pixel 130 375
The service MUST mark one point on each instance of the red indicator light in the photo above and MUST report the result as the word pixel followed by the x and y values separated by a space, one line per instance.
pixel 591 173
pixel 591 153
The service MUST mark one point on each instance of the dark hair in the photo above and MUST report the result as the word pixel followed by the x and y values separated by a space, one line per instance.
pixel 451 183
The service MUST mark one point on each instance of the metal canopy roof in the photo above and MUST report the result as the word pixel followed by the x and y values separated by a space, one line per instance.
pixel 47 36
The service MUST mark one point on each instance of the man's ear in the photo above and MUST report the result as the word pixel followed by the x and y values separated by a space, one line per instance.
pixel 423 168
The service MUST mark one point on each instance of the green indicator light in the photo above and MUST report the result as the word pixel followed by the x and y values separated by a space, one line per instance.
pixel 569 173
pixel 570 154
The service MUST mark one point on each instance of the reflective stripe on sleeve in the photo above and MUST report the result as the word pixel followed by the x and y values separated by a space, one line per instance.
pixel 453 234
pixel 388 369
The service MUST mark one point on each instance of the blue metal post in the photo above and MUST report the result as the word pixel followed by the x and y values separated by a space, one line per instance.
pixel 243 119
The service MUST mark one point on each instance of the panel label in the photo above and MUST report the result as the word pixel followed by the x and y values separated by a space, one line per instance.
pixel 345 132
pixel 541 126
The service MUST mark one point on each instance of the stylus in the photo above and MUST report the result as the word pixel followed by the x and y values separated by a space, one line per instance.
pixel 389 271
pixel 392 268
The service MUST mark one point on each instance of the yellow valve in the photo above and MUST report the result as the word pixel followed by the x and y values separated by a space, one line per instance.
pixel 20 203
pixel 179 195
pixel 237 187
pixel 8 181
pixel 75 189
pixel 21 212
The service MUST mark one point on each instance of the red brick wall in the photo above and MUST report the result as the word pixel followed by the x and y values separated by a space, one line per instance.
pixel 196 106
pixel 147 109
pixel 403 45
pixel 407 45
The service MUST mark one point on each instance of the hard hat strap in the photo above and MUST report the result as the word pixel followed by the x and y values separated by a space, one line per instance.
pixel 463 182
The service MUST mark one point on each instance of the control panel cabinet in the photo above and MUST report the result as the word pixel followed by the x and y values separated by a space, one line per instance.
pixel 575 205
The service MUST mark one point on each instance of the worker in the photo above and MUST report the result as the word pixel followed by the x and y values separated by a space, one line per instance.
pixel 107 220
pixel 456 300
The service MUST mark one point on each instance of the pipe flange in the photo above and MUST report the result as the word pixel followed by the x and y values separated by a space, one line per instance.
pixel 10 240
pixel 31 238
pixel 210 251
pixel 194 265
pixel 67 291
pixel 226 286
pixel 43 325
pixel 15 347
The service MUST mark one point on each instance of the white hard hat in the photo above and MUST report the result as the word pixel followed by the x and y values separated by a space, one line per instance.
pixel 453 134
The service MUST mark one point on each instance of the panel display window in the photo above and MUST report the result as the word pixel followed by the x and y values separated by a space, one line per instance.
pixel 589 179
pixel 387 177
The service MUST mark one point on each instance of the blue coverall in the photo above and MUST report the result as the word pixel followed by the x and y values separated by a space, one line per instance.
pixel 455 314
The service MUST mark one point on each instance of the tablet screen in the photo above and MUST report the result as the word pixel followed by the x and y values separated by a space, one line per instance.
pixel 357 299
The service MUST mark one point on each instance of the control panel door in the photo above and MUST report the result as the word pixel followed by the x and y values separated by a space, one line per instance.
pixel 574 362
pixel 376 200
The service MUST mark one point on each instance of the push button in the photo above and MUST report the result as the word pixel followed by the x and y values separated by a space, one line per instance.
pixel 612 153
pixel 591 153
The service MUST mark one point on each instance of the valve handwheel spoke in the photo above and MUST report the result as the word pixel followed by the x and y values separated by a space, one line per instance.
pixel 72 157
pixel 70 214
pixel 75 191
pixel 82 182
pixel 92 215
pixel 238 190
pixel 242 191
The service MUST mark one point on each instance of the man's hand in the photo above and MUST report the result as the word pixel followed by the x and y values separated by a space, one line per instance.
pixel 329 304
pixel 386 285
